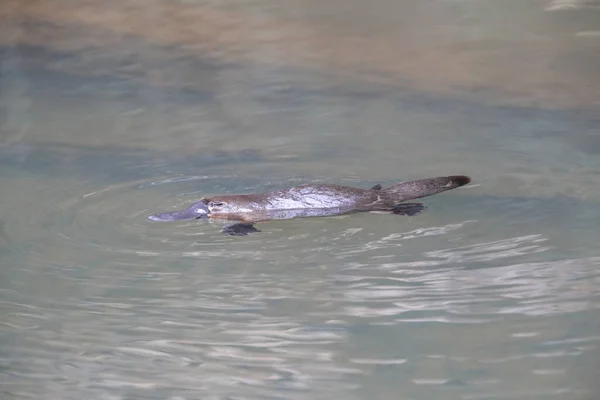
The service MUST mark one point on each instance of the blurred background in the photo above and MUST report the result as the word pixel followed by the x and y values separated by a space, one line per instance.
pixel 112 110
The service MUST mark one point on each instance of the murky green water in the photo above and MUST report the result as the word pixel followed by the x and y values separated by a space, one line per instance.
pixel 492 293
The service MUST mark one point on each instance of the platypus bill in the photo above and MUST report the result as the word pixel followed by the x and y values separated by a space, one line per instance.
pixel 316 200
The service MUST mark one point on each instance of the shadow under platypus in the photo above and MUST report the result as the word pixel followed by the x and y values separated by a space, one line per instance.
pixel 313 200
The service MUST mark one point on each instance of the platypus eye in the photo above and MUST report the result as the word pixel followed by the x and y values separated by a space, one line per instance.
pixel 216 204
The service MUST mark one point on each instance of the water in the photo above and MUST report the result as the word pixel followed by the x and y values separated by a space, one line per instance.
pixel 492 293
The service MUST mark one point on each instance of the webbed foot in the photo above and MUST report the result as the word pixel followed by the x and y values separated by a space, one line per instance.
pixel 408 209
pixel 239 229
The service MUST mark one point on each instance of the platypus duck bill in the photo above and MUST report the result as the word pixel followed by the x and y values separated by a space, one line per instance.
pixel 195 211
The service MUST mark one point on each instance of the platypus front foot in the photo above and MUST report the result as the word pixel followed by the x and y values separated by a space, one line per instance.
pixel 409 209
pixel 239 229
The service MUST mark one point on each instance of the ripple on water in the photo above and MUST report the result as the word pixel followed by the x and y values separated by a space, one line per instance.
pixel 108 303
pixel 448 285
pixel 113 220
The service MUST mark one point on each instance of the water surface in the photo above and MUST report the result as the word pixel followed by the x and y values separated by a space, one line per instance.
pixel 492 293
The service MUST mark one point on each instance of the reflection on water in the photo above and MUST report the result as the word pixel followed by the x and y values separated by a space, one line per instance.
pixel 113 111
pixel 445 46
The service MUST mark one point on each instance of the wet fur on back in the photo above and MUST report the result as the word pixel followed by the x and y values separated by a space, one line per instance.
pixel 323 200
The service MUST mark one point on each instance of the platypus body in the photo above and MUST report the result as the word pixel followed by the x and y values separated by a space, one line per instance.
pixel 318 200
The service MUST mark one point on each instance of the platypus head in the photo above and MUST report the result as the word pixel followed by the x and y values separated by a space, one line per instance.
pixel 202 209
pixel 227 205
pixel 195 211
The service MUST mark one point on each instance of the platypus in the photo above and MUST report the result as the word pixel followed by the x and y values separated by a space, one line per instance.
pixel 312 200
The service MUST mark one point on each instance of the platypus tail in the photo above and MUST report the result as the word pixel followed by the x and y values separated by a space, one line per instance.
pixel 422 188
